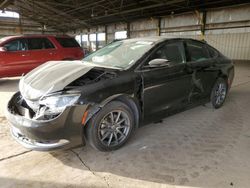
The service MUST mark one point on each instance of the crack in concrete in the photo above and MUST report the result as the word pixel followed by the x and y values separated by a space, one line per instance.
pixel 240 84
pixel 84 164
pixel 16 155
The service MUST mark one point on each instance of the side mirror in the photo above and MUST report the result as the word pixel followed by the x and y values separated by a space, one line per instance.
pixel 159 63
pixel 2 49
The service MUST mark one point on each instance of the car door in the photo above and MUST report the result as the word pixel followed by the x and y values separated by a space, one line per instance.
pixel 51 50
pixel 204 72
pixel 14 59
pixel 41 50
pixel 166 88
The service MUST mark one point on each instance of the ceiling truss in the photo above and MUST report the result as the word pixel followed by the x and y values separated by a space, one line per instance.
pixel 69 15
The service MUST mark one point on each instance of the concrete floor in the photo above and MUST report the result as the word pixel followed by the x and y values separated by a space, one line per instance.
pixel 201 147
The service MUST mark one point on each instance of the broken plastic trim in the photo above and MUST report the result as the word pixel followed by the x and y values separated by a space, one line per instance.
pixel 54 104
pixel 36 145
pixel 90 112
pixel 93 76
pixel 46 110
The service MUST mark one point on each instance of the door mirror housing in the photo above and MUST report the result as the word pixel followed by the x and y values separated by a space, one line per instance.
pixel 158 63
pixel 3 49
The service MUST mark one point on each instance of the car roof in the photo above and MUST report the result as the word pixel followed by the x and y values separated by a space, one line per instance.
pixel 31 36
pixel 5 38
pixel 154 39
pixel 158 39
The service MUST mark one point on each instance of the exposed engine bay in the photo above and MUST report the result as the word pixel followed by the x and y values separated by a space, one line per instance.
pixel 51 104
pixel 92 76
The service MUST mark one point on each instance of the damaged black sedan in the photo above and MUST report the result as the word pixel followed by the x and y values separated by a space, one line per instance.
pixel 104 97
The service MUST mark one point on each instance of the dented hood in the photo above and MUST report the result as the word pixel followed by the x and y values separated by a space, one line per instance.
pixel 51 77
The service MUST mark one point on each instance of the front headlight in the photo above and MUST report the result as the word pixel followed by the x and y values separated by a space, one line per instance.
pixel 57 103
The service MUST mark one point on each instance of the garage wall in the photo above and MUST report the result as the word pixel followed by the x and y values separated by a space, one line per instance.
pixel 233 45
pixel 112 28
pixel 143 28
pixel 13 26
pixel 227 29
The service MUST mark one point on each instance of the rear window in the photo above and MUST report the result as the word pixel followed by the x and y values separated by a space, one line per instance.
pixel 213 53
pixel 197 51
pixel 67 42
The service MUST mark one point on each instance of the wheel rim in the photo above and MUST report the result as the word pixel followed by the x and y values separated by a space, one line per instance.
pixel 114 128
pixel 220 93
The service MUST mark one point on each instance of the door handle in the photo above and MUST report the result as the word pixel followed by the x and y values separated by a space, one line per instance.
pixel 23 55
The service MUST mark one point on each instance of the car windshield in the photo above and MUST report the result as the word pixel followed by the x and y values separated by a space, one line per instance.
pixel 120 54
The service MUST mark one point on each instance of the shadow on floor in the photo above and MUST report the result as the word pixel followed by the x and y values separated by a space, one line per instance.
pixel 8 182
pixel 176 151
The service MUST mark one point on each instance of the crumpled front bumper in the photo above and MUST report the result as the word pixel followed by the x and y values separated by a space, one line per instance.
pixel 63 131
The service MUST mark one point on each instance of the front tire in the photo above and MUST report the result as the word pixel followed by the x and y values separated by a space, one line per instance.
pixel 219 93
pixel 111 127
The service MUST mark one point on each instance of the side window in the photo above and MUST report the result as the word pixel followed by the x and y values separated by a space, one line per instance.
pixel 47 44
pixel 173 51
pixel 212 52
pixel 39 43
pixel 35 43
pixel 67 42
pixel 197 51
pixel 16 45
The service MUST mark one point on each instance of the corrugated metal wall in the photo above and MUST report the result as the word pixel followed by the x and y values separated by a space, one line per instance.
pixel 233 45
pixel 234 40
pixel 147 28
pixel 12 26
pixel 226 29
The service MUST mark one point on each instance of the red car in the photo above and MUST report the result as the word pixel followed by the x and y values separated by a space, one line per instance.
pixel 20 54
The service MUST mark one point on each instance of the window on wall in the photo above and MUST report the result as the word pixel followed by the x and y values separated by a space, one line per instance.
pixel 92 37
pixel 85 41
pixel 85 38
pixel 78 39
pixel 120 34
pixel 82 41
pixel 101 36
pixel 89 41
pixel 9 14
pixel 101 40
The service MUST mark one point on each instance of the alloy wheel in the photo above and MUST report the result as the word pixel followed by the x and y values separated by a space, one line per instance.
pixel 220 93
pixel 114 128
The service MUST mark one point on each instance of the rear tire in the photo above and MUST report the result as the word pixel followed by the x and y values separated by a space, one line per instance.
pixel 219 93
pixel 111 127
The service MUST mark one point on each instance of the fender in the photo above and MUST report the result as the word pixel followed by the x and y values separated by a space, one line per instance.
pixel 133 104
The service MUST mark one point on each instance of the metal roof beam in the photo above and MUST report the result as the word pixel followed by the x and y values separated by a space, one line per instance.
pixel 138 9
pixel 43 4
pixel 5 3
